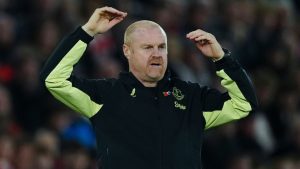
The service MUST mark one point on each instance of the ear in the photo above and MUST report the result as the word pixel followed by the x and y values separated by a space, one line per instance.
pixel 126 51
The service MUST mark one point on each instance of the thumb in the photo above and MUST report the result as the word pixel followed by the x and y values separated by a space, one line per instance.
pixel 115 21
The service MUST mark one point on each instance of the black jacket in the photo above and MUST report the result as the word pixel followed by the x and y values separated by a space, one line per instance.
pixel 147 128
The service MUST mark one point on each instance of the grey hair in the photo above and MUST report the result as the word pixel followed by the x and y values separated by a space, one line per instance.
pixel 138 24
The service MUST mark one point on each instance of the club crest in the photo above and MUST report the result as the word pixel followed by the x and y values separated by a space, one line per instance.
pixel 177 94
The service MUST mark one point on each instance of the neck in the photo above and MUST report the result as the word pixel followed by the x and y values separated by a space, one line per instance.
pixel 148 84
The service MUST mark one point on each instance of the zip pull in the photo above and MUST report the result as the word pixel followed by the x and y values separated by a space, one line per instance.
pixel 133 94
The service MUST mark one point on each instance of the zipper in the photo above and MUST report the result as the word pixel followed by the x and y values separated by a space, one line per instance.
pixel 162 149
pixel 161 142
pixel 156 98
pixel 107 155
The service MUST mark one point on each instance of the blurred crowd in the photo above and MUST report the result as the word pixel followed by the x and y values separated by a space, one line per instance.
pixel 38 132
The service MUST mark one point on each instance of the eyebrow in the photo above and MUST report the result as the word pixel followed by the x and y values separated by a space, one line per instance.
pixel 147 44
pixel 162 44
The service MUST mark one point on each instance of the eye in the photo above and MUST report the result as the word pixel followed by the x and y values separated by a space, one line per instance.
pixel 147 47
pixel 162 46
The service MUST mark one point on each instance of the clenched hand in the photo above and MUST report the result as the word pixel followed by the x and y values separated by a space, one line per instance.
pixel 102 20
pixel 207 44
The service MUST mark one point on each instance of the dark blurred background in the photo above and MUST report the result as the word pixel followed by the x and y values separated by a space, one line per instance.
pixel 38 132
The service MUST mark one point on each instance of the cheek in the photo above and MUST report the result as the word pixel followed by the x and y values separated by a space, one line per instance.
pixel 165 58
pixel 140 60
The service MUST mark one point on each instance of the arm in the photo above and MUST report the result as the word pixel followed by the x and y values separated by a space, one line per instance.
pixel 237 102
pixel 240 98
pixel 77 93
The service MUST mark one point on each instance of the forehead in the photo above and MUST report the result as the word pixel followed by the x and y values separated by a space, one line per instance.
pixel 148 35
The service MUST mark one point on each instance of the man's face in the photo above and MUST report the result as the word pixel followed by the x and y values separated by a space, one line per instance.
pixel 147 54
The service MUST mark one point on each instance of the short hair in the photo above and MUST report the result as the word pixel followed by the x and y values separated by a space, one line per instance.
pixel 138 24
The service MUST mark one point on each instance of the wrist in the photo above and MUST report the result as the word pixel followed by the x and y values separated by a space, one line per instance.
pixel 226 53
pixel 215 59
pixel 88 30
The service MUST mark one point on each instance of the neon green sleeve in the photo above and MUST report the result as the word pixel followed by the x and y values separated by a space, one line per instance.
pixel 58 70
pixel 240 100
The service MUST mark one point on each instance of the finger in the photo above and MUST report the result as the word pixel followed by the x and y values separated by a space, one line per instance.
pixel 203 41
pixel 115 21
pixel 203 37
pixel 196 32
pixel 189 35
pixel 114 11
pixel 193 37
pixel 110 16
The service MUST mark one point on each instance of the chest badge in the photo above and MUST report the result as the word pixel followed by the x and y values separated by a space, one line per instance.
pixel 177 94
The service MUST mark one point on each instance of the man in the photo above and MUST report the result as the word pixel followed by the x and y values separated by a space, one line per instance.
pixel 145 119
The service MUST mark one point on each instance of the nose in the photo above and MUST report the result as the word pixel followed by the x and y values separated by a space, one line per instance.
pixel 156 52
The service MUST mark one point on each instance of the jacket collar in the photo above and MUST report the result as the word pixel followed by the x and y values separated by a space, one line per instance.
pixel 129 79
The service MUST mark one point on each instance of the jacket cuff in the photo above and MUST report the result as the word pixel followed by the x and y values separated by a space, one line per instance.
pixel 228 61
pixel 85 37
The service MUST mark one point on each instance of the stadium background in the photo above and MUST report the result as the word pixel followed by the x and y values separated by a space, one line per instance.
pixel 38 132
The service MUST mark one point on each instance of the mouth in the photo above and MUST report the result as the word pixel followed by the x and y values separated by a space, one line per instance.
pixel 155 64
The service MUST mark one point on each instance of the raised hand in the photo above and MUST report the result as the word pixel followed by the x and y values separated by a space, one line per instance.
pixel 102 20
pixel 207 44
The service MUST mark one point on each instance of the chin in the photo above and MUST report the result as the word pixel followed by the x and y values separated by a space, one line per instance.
pixel 156 77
